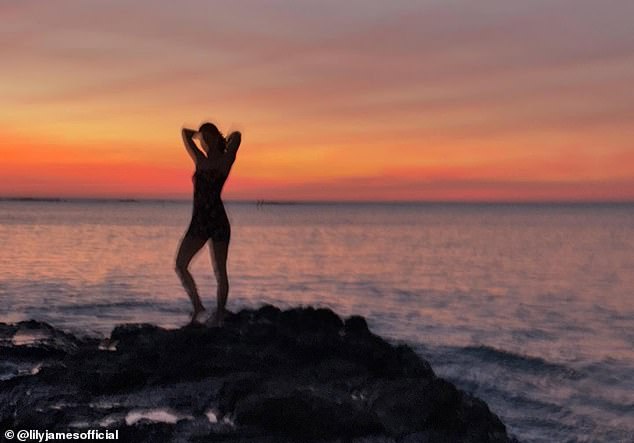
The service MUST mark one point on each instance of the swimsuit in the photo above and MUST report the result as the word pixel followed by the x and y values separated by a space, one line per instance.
pixel 209 219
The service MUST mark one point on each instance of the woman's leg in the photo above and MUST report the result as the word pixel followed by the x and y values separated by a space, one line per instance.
pixel 219 253
pixel 188 248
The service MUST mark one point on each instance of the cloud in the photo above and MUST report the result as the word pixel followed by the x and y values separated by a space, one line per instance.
pixel 467 79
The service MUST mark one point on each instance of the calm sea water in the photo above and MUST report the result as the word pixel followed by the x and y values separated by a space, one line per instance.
pixel 529 307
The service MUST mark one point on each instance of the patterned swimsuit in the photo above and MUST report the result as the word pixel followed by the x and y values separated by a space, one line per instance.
pixel 209 219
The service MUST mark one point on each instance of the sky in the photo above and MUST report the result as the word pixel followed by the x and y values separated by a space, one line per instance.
pixel 444 100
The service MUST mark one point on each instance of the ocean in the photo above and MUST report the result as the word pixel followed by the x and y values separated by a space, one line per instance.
pixel 530 307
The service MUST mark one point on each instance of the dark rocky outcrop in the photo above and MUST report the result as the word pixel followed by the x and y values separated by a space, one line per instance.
pixel 267 376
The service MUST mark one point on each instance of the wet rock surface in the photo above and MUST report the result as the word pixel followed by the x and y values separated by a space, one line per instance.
pixel 268 376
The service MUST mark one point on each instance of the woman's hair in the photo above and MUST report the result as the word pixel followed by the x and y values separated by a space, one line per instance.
pixel 210 132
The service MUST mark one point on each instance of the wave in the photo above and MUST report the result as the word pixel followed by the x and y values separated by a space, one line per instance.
pixel 510 396
pixel 513 360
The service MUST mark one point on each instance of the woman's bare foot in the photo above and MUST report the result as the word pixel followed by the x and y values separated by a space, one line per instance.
pixel 216 320
pixel 198 317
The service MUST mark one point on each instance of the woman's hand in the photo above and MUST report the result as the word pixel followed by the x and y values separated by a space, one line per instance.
pixel 189 132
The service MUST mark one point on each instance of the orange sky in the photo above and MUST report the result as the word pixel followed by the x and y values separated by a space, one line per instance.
pixel 356 100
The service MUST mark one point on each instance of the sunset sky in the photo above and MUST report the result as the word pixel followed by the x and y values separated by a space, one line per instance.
pixel 337 100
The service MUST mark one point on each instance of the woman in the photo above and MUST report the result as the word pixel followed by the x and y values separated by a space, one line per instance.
pixel 209 219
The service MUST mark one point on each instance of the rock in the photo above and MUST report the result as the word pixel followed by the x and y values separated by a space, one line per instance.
pixel 306 414
pixel 268 376
pixel 356 325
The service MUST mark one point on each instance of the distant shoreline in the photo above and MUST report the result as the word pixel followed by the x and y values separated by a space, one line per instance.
pixel 573 203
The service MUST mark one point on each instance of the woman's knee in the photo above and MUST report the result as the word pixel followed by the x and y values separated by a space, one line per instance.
pixel 181 268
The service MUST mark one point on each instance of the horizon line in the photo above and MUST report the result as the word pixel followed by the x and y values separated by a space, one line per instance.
pixel 316 202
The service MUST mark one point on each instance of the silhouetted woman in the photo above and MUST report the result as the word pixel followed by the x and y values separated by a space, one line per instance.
pixel 209 219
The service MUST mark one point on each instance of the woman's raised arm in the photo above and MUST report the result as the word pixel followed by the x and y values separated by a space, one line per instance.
pixel 193 151
pixel 233 143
